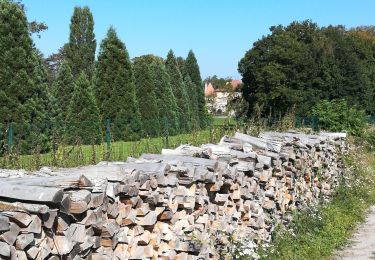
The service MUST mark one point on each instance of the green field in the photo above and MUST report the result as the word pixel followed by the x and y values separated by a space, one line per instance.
pixel 72 156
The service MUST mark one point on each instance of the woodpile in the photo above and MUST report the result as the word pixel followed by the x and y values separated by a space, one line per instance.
pixel 172 205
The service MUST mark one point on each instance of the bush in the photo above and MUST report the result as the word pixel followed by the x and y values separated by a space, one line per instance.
pixel 337 115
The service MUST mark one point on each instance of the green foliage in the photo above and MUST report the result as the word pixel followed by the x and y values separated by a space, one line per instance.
pixel 301 64
pixel 193 101
pixel 191 68
pixel 115 88
pixel 337 115
pixel 180 92
pixel 219 83
pixel 146 95
pixel 23 88
pixel 83 120
pixel 80 51
pixel 157 103
pixel 62 91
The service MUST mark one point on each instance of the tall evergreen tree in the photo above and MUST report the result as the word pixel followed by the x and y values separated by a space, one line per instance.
pixel 145 90
pixel 158 83
pixel 191 68
pixel 193 102
pixel 80 51
pixel 166 100
pixel 181 66
pixel 83 119
pixel 23 88
pixel 62 91
pixel 179 91
pixel 115 88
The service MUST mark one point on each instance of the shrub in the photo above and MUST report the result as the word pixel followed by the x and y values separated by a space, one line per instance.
pixel 337 115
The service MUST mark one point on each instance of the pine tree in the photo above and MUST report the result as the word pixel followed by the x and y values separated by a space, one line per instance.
pixel 80 51
pixel 115 88
pixel 179 91
pixel 192 69
pixel 83 119
pixel 23 88
pixel 148 105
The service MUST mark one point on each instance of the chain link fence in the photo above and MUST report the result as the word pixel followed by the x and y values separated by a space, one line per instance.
pixel 62 145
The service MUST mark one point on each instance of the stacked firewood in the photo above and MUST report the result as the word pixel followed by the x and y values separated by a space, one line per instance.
pixel 174 205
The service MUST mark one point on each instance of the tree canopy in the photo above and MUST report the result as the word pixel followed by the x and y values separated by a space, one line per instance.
pixel 180 92
pixel 115 88
pixel 83 120
pixel 191 68
pixel 301 64
pixel 80 51
pixel 23 82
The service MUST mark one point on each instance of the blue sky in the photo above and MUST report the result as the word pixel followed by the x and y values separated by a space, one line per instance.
pixel 218 31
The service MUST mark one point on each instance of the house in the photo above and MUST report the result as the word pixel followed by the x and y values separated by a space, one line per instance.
pixel 217 99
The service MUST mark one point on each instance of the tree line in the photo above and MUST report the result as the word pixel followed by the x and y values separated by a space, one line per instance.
pixel 70 94
pixel 299 65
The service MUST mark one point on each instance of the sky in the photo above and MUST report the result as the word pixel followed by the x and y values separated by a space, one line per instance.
pixel 218 31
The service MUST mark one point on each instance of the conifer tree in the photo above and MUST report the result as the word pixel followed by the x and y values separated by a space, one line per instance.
pixel 62 91
pixel 192 69
pixel 80 51
pixel 179 91
pixel 83 119
pixel 115 88
pixel 148 105
pixel 166 100
pixel 181 66
pixel 193 103
pixel 23 93
pixel 157 102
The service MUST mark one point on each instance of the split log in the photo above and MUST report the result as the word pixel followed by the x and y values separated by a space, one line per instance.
pixel 31 193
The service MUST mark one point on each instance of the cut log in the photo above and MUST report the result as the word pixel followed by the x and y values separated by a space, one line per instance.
pixel 11 235
pixel 4 224
pixel 23 240
pixel 31 193
pixel 175 159
pixel 79 201
pixel 148 220
pixel 259 143
pixel 35 226
pixel 23 219
pixel 49 218
pixel 63 245
pixel 4 249
pixel 63 182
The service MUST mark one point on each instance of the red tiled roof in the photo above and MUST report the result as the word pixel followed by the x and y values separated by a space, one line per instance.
pixel 235 83
pixel 209 90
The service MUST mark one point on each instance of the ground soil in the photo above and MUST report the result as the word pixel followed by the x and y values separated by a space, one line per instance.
pixel 362 243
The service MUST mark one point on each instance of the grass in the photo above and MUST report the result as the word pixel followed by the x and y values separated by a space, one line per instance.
pixel 317 233
pixel 72 156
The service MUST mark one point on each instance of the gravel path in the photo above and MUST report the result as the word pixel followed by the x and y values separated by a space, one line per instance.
pixel 362 243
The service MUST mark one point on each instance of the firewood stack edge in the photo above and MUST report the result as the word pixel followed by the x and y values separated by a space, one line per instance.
pixel 179 204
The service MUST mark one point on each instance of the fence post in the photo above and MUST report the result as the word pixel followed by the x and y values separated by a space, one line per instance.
pixel 10 137
pixel 108 137
pixel 166 133
pixel 210 129
pixel 315 123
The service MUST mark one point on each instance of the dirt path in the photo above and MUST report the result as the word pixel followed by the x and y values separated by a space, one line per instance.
pixel 362 243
